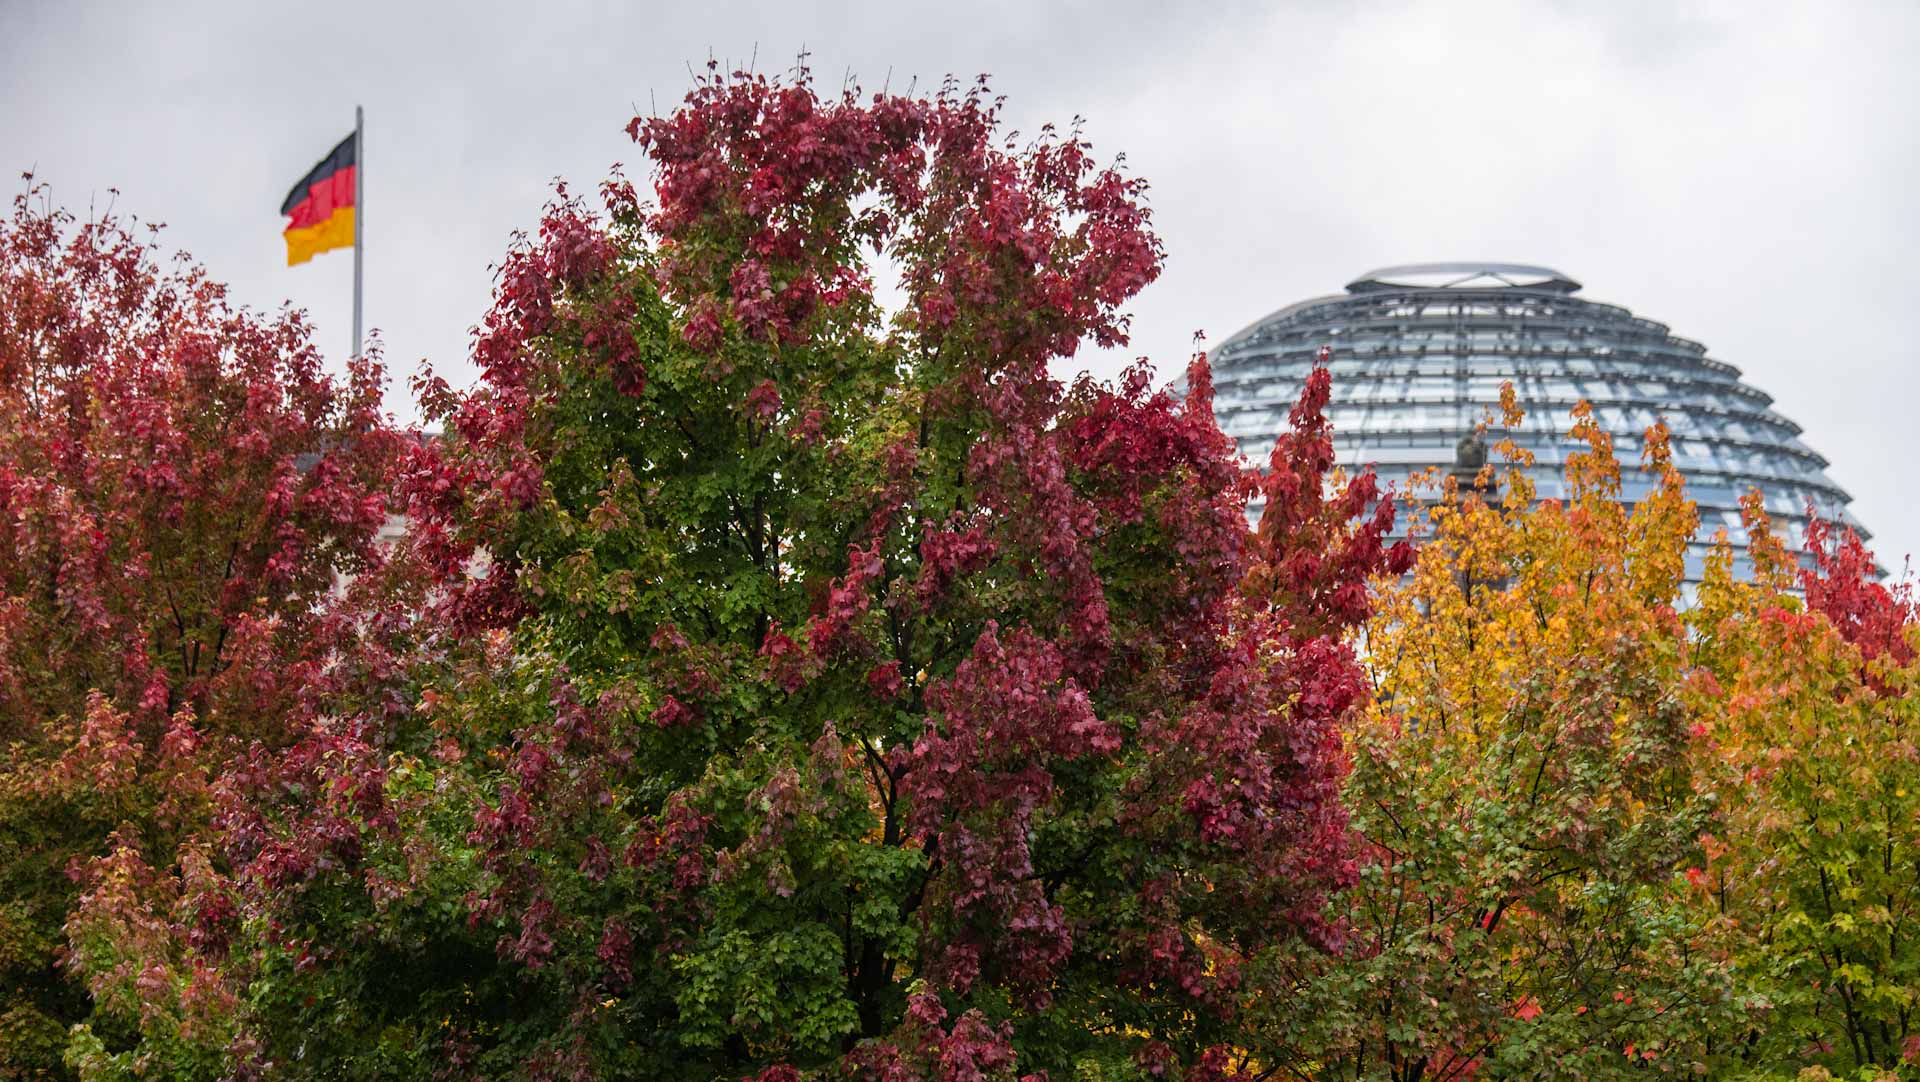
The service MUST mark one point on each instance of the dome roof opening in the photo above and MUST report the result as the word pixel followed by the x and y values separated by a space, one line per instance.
pixel 1418 354
pixel 1464 276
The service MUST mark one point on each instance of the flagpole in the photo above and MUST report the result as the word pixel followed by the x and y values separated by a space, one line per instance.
pixel 359 215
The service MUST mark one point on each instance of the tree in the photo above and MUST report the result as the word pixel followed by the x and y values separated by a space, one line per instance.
pixel 841 694
pixel 1812 879
pixel 1522 784
pixel 181 486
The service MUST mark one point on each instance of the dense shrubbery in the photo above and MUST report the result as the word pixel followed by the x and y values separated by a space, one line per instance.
pixel 769 687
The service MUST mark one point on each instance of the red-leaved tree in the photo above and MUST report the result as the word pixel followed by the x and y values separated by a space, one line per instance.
pixel 181 488
pixel 837 692
pixel 1844 585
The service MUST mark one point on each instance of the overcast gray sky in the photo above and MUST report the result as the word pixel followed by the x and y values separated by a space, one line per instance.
pixel 1744 171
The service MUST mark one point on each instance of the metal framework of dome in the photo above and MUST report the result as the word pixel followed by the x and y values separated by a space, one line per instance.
pixel 1418 354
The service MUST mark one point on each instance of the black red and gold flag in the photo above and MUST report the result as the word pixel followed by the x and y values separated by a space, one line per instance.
pixel 321 205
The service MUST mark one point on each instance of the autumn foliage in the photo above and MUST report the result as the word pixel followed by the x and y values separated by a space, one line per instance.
pixel 1608 828
pixel 784 678
pixel 1811 877
pixel 911 721
pixel 181 488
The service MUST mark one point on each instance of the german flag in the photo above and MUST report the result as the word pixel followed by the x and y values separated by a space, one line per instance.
pixel 321 205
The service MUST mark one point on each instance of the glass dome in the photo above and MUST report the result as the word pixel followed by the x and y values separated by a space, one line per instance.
pixel 1418 354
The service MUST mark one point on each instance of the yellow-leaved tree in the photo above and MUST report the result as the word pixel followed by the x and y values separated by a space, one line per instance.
pixel 1524 787
pixel 1811 875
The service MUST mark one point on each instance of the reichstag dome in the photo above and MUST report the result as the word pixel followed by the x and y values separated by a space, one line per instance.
pixel 1418 354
